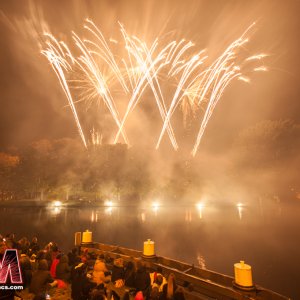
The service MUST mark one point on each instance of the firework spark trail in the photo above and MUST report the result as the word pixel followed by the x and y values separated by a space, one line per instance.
pixel 162 108
pixel 180 53
pixel 100 84
pixel 137 93
pixel 220 83
pixel 217 82
pixel 188 70
pixel 141 69
pixel 212 73
pixel 138 82
pixel 90 68
pixel 260 69
pixel 87 64
pixel 58 64
pixel 256 57
pixel 129 69
pixel 107 54
pixel 215 97
pixel 163 111
pixel 148 67
pixel 172 48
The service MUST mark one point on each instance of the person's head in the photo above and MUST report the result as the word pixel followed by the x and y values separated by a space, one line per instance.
pixel 101 257
pixel 2 247
pixel 130 266
pixel 34 240
pixel 54 248
pixel 40 255
pixel 11 236
pixel 93 255
pixel 118 262
pixel 140 265
pixel 98 295
pixel 43 265
pixel 159 279
pixel 22 241
pixel 63 259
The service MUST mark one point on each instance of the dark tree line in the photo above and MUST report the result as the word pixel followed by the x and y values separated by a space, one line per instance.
pixel 63 168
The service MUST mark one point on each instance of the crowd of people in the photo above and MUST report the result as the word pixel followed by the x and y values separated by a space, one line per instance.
pixel 48 273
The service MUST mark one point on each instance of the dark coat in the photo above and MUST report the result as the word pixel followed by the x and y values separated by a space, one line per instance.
pixel 129 275
pixel 40 279
pixel 117 273
pixel 78 280
pixel 63 271
pixel 142 281
pixel 73 257
pixel 26 270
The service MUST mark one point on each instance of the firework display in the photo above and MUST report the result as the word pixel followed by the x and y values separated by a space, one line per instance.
pixel 98 73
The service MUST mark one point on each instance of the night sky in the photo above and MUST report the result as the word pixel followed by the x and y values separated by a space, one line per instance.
pixel 33 104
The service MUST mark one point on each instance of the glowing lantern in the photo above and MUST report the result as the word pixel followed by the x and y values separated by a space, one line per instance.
pixel 243 275
pixel 87 237
pixel 149 248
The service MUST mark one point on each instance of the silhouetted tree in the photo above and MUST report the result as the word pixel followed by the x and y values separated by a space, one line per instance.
pixel 8 166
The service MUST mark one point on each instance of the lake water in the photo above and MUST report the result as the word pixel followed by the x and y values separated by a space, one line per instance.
pixel 264 233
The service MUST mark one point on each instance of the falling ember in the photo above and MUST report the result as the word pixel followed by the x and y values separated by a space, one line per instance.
pixel 243 78
pixel 102 76
pixel 96 137
pixel 262 69
pixel 256 57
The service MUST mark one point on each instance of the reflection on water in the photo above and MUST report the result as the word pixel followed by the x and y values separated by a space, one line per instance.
pixel 240 210
pixel 200 208
pixel 155 207
pixel 213 235
pixel 143 217
pixel 201 261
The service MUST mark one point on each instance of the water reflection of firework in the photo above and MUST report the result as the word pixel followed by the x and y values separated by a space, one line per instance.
pixel 101 76
pixel 201 261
